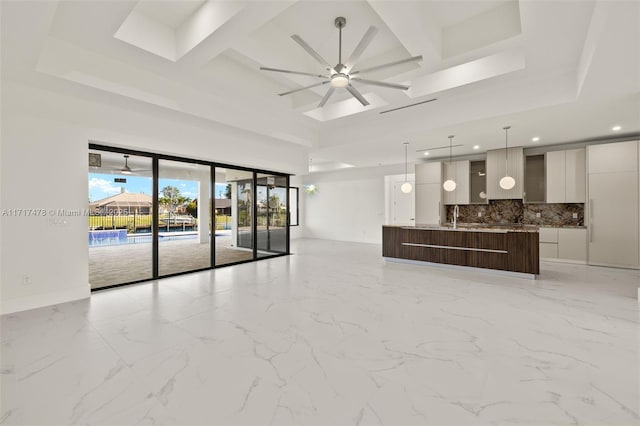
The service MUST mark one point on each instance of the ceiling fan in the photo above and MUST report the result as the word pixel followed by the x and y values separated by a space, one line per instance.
pixel 341 75
pixel 126 170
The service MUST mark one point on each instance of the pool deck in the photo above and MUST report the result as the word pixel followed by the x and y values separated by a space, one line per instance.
pixel 117 264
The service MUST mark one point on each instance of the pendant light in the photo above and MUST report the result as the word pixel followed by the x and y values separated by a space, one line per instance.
pixel 507 182
pixel 406 186
pixel 449 184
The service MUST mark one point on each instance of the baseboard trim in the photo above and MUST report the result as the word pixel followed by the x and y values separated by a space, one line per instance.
pixel 19 304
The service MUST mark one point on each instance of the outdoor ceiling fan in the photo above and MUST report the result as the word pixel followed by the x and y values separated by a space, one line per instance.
pixel 126 170
pixel 341 75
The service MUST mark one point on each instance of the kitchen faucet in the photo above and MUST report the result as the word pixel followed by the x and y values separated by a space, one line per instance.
pixel 456 212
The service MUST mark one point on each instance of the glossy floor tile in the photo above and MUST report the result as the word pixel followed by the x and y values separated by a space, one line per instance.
pixel 333 335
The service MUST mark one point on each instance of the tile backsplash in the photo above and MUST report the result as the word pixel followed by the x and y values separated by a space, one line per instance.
pixel 515 211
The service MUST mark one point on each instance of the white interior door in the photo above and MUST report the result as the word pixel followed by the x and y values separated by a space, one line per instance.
pixel 403 211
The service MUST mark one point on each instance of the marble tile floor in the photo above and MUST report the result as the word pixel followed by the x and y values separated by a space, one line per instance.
pixel 332 335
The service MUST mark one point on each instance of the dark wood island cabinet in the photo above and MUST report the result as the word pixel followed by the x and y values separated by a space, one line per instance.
pixel 513 250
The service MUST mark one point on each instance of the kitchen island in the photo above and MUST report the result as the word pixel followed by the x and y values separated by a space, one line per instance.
pixel 512 249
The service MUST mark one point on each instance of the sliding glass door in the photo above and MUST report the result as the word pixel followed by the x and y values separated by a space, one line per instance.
pixel 152 216
pixel 234 215
pixel 272 212
pixel 119 218
pixel 184 220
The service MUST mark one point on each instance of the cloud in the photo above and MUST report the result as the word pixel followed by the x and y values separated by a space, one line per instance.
pixel 188 194
pixel 103 185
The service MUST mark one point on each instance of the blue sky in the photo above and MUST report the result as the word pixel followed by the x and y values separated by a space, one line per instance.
pixel 103 186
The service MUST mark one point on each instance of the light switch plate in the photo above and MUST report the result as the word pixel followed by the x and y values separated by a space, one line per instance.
pixel 575 215
pixel 538 214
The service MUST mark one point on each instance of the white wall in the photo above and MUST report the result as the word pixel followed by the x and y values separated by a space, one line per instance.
pixel 43 165
pixel 298 231
pixel 349 204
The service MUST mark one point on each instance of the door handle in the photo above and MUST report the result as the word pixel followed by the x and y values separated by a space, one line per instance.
pixel 590 220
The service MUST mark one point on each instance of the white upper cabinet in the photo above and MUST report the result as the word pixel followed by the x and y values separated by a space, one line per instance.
pixel 556 176
pixel 497 168
pixel 459 172
pixel 428 172
pixel 613 157
pixel 576 176
pixel 566 176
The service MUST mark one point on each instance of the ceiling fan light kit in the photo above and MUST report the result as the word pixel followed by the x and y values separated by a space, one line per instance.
pixel 341 75
pixel 340 80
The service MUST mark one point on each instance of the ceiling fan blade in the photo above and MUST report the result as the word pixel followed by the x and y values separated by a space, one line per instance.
pixel 357 95
pixel 310 51
pixel 390 64
pixel 381 83
pixel 293 72
pixel 303 88
pixel 326 96
pixel 362 45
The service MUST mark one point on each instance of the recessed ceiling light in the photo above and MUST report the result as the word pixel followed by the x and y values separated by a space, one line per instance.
pixel 536 139
pixel 426 153
pixel 476 147
pixel 616 128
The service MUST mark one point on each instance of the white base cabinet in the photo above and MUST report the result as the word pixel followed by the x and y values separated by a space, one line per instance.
pixel 572 244
pixel 564 244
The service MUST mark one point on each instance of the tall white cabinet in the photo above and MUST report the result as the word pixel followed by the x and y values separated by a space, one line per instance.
pixel 613 211
pixel 497 168
pixel 428 193
pixel 566 176
pixel 459 172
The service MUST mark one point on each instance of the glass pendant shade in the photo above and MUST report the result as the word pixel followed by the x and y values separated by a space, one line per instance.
pixel 449 185
pixel 507 182
pixel 406 187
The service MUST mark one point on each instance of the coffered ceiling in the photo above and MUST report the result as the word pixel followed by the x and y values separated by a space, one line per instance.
pixel 559 70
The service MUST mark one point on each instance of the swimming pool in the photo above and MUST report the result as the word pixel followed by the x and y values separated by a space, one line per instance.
pixel 118 238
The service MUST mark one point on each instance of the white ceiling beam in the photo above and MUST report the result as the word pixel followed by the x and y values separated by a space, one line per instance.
pixel 234 31
pixel 415 29
pixel 470 72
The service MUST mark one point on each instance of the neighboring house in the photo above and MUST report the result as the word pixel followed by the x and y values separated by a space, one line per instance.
pixel 124 203
pixel 223 206
pixel 273 208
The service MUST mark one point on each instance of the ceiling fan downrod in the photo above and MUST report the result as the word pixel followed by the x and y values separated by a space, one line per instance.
pixel 340 23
